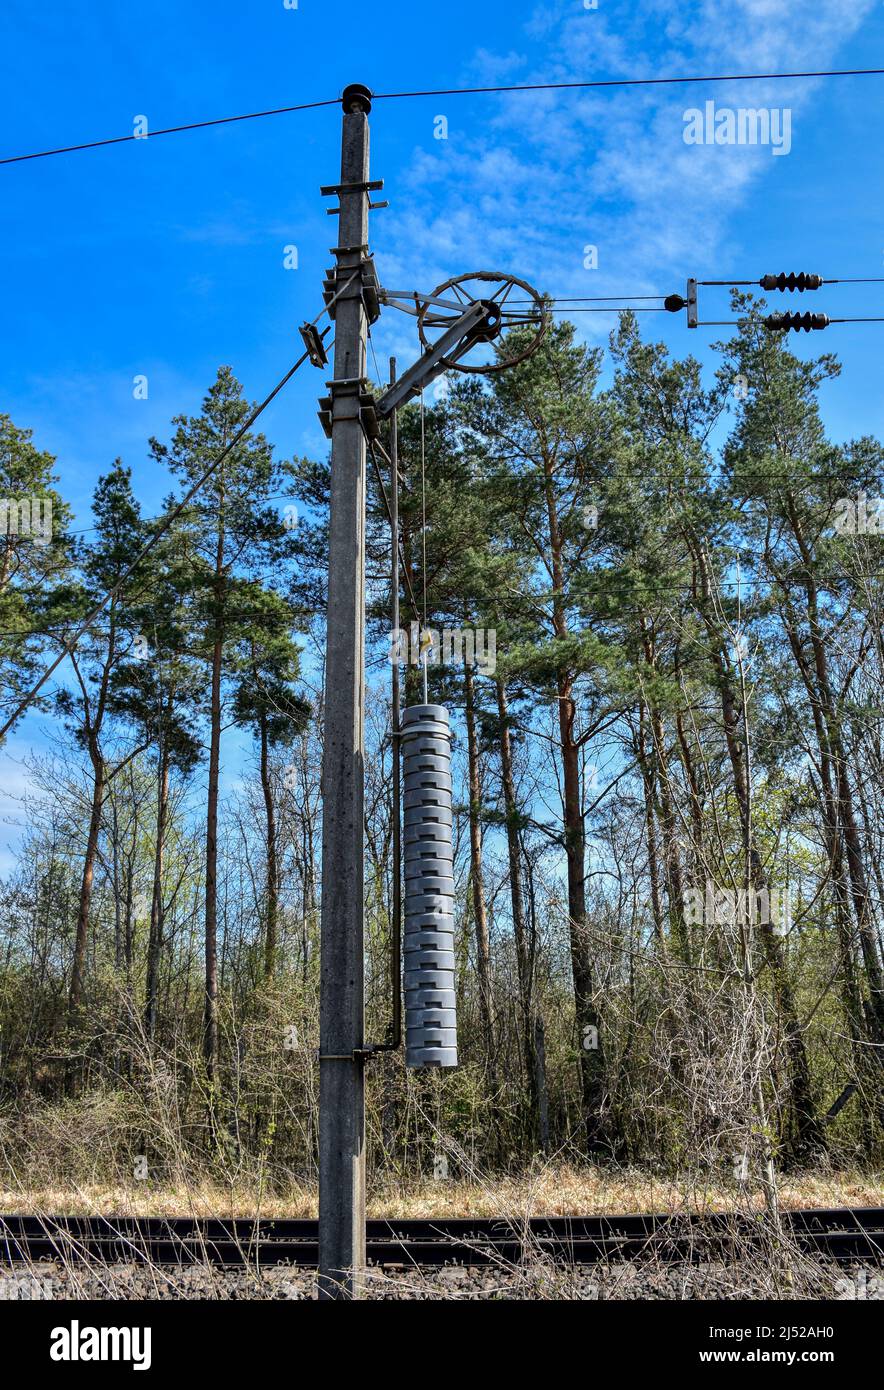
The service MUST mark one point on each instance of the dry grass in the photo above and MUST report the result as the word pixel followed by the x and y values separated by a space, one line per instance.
pixel 535 1281
pixel 560 1189
pixel 773 1269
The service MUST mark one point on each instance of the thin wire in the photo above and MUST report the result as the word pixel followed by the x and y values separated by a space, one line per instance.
pixel 450 91
pixel 149 521
pixel 656 590
pixel 624 308
pixel 630 82
pixel 404 568
pixel 643 476
pixel 591 298
pixel 424 535
pixel 168 130
pixel 377 370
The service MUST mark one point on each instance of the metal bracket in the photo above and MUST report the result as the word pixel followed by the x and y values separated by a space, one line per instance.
pixel 460 337
pixel 674 303
pixel 313 342
pixel 359 1054
pixel 333 190
pixel 373 207
pixel 692 307
pixel 363 408
pixel 405 299
pixel 369 288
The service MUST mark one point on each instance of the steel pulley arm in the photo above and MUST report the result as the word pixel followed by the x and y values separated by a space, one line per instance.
pixel 476 322
pixel 463 313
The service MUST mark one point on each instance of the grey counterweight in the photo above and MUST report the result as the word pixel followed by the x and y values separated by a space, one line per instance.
pixel 430 1013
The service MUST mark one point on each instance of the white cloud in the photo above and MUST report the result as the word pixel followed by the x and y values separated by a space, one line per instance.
pixel 548 172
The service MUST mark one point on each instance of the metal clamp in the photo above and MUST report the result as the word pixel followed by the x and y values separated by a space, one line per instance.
pixel 366 284
pixel 363 407
pixel 359 1054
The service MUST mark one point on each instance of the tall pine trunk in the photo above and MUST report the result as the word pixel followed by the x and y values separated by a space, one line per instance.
pixel 646 766
pixel 531 1022
pixel 819 688
pixel 480 916
pixel 78 973
pixel 155 935
pixel 589 1036
pixel 808 1136
pixel 272 905
pixel 210 1030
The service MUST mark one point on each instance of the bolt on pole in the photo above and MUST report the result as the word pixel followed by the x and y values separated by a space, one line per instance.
pixel 342 1004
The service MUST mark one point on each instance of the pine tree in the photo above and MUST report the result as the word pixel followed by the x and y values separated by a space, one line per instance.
pixel 231 537
pixel 119 534
pixel 266 701
pixel 547 440
pixel 35 559
pixel 778 453
pixel 159 693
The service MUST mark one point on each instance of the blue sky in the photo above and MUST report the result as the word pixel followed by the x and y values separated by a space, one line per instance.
pixel 165 257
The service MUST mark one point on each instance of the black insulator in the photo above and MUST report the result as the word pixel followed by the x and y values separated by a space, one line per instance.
pixel 356 98
pixel 797 321
pixel 801 282
pixel 674 302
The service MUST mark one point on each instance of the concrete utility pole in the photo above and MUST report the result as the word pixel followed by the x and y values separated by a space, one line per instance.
pixel 341 1023
pixel 456 324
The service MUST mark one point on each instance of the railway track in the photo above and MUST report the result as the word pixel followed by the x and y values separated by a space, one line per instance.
pixel 841 1235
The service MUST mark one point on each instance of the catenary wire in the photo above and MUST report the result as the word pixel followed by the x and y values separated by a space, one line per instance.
pixel 168 130
pixel 628 82
pixel 450 91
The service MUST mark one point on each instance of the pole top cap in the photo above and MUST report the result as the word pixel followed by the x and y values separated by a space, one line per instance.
pixel 356 98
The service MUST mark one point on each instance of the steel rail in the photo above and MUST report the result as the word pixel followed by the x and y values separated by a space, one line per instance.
pixel 838 1234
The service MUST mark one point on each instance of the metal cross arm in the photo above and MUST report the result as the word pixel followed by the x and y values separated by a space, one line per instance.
pixel 479 320
pixel 413 302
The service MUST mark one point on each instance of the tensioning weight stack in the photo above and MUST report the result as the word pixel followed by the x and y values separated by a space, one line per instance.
pixel 430 1013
